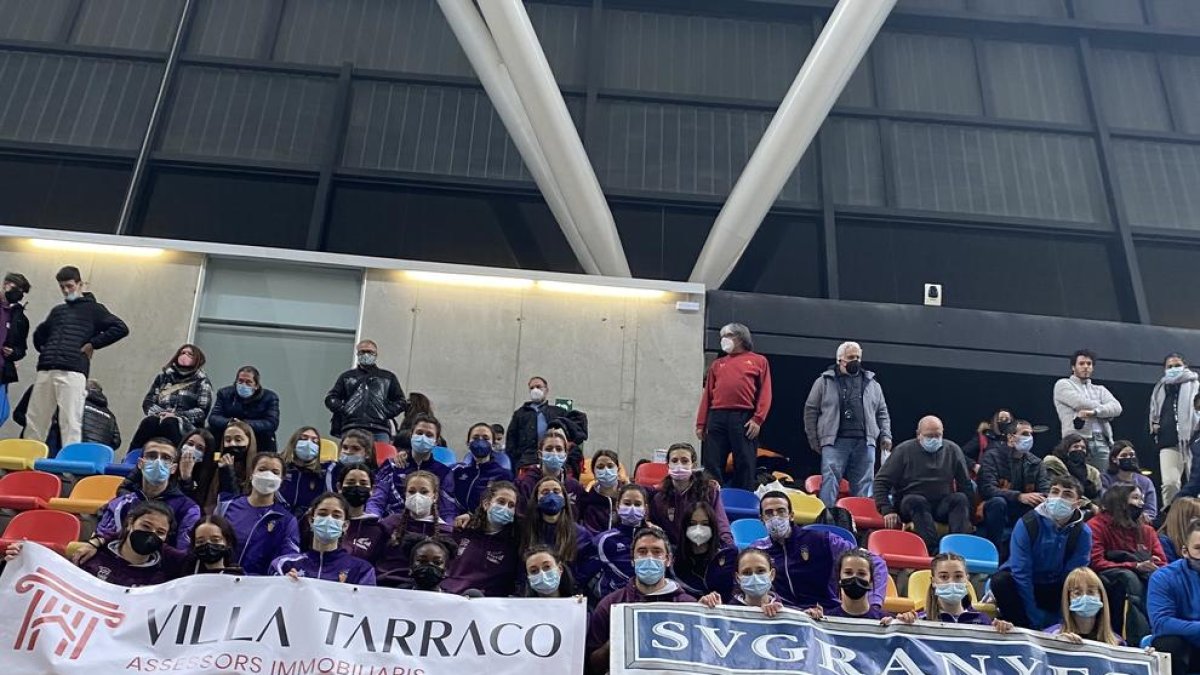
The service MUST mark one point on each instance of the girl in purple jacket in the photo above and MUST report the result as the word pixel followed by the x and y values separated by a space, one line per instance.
pixel 598 503
pixel 419 520
pixel 365 536
pixel 550 520
pixel 614 547
pixel 856 579
pixel 755 577
pixel 325 558
pixel 487 559
pixel 303 476
pixel 949 598
pixel 264 526
pixel 702 564
pixel 683 486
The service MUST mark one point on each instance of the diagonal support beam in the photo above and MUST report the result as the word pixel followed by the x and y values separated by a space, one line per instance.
pixel 833 59
pixel 480 48
pixel 551 122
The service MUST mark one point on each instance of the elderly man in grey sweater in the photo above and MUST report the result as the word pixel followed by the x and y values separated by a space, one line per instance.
pixel 1087 408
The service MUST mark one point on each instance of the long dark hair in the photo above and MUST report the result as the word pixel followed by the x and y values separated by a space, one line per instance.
pixel 566 536
pixel 479 518
pixel 145 508
pixel 685 552
pixel 1114 503
pixel 198 356
pixel 701 487
pixel 227 534
pixel 566 582
pixel 401 528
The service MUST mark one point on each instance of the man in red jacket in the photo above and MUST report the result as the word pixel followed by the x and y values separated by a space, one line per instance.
pixel 733 407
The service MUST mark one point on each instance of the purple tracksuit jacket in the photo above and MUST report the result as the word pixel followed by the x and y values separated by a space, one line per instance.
pixel 400 536
pixel 108 565
pixel 187 514
pixel 263 533
pixel 806 569
pixel 365 537
pixel 717 575
pixel 336 565
pixel 486 562
pixel 387 497
pixel 300 487
pixel 671 512
pixel 526 483
pixel 598 624
pixel 470 481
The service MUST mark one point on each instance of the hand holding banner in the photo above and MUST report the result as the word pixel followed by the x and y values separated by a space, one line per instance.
pixel 61 620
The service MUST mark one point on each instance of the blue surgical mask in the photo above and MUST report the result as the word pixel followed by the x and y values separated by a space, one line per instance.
pixel 755 585
pixel 422 445
pixel 931 444
pixel 327 528
pixel 244 390
pixel 553 461
pixel 1086 606
pixel 1058 509
pixel 952 591
pixel 545 582
pixel 480 448
pixel 500 515
pixel 649 571
pixel 1174 373
pixel 306 450
pixel 157 471
pixel 1024 443
pixel 606 476
pixel 631 516
pixel 551 503
pixel 349 461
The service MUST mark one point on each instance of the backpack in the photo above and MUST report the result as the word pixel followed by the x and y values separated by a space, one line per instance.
pixel 1034 525
pixel 836 515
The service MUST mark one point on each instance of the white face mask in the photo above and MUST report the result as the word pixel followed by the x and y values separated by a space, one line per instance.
pixel 699 534
pixel 265 482
pixel 537 394
pixel 418 504
pixel 727 345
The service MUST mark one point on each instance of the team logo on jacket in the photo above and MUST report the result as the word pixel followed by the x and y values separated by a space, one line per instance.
pixel 342 576
pixel 271 526
pixel 103 572
pixel 493 557
pixel 804 553
pixel 57 606
pixel 362 544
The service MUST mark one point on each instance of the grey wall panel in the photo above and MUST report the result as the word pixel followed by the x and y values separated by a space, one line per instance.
pixel 35 20
pixel 1111 11
pixel 76 101
pixel 563 31
pixel 426 129
pixel 128 24
pixel 1160 183
pixel 929 72
pixel 996 172
pixel 706 56
pixel 1182 74
pixel 232 28
pixel 1176 13
pixel 860 90
pixel 251 115
pixel 855 161
pixel 946 5
pixel 1044 8
pixel 1035 82
pixel 686 149
pixel 1129 91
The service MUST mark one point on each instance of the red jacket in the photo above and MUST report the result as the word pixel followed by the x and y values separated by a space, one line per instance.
pixel 1107 536
pixel 737 382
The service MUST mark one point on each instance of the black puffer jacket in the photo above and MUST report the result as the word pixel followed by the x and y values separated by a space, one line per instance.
pixel 99 424
pixel 260 411
pixel 365 398
pixel 17 339
pixel 521 441
pixel 69 327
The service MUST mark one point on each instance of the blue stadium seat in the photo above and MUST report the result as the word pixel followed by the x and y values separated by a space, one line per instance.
pixel 445 456
pixel 981 554
pixel 1147 642
pixel 747 531
pixel 836 530
pixel 739 503
pixel 126 466
pixel 79 459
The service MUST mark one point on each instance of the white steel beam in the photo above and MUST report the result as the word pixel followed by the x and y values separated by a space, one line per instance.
pixel 833 59
pixel 551 122
pixel 480 48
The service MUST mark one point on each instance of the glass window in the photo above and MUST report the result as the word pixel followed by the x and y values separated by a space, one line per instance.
pixel 1176 13
pixel 128 24
pixel 1158 183
pixel 1111 11
pixel 930 73
pixel 62 194
pixel 232 29
pixel 660 242
pixel 1037 82
pixel 1129 91
pixel 1182 75
pixel 854 161
pixel 36 21
pixel 1167 275
pixel 250 291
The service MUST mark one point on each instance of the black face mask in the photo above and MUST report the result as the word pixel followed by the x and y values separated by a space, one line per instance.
pixel 855 587
pixel 427 576
pixel 144 542
pixel 13 295
pixel 211 553
pixel 1076 458
pixel 235 450
pixel 1127 464
pixel 356 495
pixel 1135 512
pixel 852 367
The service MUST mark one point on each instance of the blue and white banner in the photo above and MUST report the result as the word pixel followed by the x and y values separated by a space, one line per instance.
pixel 59 619
pixel 661 638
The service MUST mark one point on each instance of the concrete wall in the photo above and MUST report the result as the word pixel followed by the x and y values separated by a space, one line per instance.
pixel 635 366
pixel 154 296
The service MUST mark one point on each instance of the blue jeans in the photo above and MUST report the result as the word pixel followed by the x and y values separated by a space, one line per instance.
pixel 999 513
pixel 4 407
pixel 386 438
pixel 1192 489
pixel 849 458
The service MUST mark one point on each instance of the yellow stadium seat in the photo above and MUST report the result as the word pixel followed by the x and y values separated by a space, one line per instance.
pixel 893 602
pixel 918 587
pixel 18 454
pixel 329 450
pixel 805 508
pixel 88 495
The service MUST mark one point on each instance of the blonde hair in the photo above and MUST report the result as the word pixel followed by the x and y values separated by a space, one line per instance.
pixel 1082 578
pixel 932 608
pixel 1182 512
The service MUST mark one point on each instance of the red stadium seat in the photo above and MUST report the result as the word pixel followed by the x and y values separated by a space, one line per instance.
pixel 866 516
pixel 28 490
pixel 650 474
pixel 54 529
pixel 812 485
pixel 899 549
pixel 383 452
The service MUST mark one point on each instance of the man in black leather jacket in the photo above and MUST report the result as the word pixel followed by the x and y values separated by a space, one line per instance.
pixel 366 397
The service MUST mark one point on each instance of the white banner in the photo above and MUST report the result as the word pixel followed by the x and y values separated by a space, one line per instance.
pixel 668 638
pixel 59 619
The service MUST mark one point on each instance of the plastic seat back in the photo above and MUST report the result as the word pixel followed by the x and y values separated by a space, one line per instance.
pixel 918 588
pixel 834 530
pixel 805 508
pixel 650 474
pixel 739 503
pixel 28 489
pixel 22 452
pixel 866 515
pixel 812 485
pixel 383 452
pixel 96 488
pixel 445 456
pixel 51 528
pixel 329 450
pixel 747 531
pixel 981 554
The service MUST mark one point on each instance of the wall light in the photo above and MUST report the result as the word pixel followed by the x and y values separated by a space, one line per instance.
pixel 87 247
pixel 469 280
pixel 606 291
